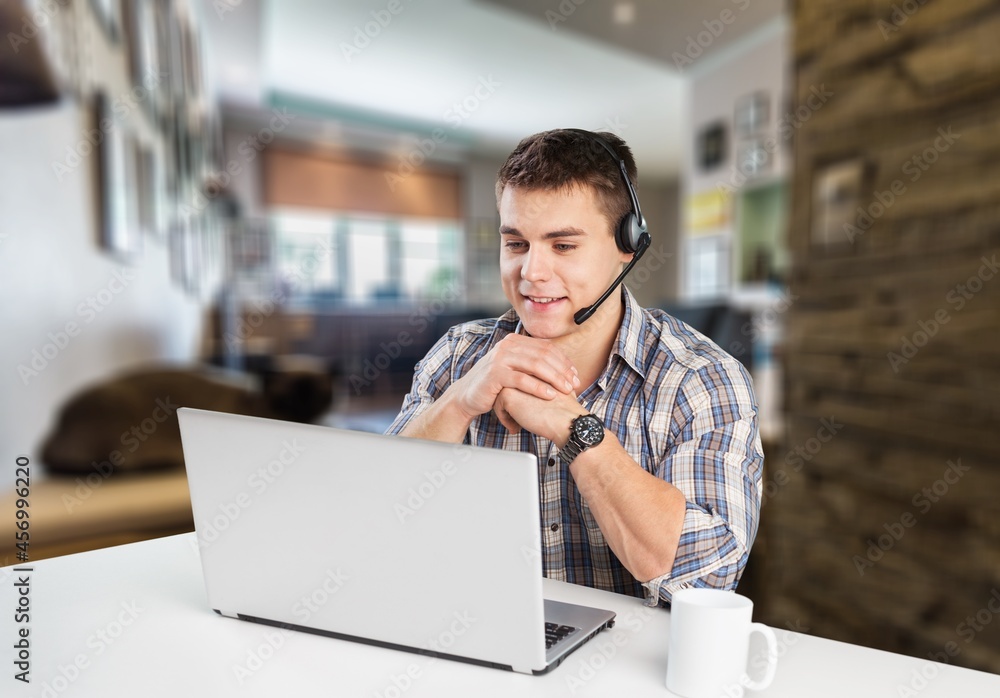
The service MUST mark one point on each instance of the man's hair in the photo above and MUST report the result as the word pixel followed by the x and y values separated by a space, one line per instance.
pixel 562 159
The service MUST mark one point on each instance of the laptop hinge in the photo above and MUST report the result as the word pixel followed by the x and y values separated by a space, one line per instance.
pixel 227 614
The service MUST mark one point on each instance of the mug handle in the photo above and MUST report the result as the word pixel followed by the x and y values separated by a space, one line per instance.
pixel 772 657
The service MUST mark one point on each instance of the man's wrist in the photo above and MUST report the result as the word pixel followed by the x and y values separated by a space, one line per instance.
pixel 452 410
pixel 565 427
pixel 586 433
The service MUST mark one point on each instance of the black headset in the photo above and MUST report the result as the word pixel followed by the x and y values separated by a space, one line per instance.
pixel 630 233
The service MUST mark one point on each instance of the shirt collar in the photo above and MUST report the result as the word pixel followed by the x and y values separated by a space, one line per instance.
pixel 629 344
pixel 632 334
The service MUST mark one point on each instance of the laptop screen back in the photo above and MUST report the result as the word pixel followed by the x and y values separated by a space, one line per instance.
pixel 388 539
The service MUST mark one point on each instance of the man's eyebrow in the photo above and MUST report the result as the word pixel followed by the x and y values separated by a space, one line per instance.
pixel 564 233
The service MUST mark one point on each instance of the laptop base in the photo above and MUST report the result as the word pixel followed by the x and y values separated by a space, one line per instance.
pixel 577 642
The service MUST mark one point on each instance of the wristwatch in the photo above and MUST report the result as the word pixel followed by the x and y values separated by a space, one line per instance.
pixel 585 431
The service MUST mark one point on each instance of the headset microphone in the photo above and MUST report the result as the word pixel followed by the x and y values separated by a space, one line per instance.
pixel 630 233
pixel 584 314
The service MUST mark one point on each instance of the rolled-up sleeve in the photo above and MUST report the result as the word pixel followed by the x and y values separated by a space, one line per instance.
pixel 717 463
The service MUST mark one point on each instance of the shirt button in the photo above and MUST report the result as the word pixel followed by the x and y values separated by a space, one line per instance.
pixel 554 527
pixel 552 461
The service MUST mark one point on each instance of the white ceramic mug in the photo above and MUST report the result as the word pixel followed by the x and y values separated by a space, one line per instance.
pixel 709 645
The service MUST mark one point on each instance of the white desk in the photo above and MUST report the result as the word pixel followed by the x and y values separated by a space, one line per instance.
pixel 136 618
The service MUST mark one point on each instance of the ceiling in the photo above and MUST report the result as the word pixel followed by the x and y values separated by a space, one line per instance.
pixel 656 29
pixel 360 71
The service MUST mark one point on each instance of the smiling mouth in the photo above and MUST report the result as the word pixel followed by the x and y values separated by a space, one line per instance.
pixel 543 300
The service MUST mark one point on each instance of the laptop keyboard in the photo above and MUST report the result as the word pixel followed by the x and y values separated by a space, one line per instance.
pixel 554 633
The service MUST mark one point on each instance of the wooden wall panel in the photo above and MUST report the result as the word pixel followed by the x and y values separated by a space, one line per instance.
pixel 892 91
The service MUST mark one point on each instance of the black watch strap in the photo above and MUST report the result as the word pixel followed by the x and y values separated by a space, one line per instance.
pixel 570 451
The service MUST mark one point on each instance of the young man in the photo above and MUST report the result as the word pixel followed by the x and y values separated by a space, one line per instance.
pixel 670 496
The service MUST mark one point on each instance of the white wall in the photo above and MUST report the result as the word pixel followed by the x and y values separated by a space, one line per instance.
pixel 758 62
pixel 661 208
pixel 50 263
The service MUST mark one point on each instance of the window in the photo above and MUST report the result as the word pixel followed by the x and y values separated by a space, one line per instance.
pixel 430 260
pixel 306 253
pixel 356 259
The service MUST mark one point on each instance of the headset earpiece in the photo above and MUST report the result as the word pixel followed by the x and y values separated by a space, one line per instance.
pixel 630 233
pixel 632 226
pixel 623 233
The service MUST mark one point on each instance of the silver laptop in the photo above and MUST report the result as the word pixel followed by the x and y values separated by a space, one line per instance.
pixel 402 543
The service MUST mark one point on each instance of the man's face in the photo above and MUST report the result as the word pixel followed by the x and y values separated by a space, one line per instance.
pixel 557 255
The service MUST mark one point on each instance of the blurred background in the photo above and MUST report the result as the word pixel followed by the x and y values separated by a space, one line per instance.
pixel 275 208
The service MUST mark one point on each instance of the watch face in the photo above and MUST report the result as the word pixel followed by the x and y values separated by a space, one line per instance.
pixel 589 430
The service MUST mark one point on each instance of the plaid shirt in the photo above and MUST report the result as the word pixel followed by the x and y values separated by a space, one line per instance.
pixel 682 408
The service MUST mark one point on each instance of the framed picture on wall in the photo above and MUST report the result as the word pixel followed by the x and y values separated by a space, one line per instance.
pixel 710 148
pixel 117 194
pixel 836 196
pixel 144 53
pixel 164 26
pixel 752 157
pixel 185 255
pixel 51 44
pixel 108 14
pixel 190 61
pixel 752 113
pixel 149 183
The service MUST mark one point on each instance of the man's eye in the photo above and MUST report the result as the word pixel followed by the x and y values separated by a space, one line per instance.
pixel 562 247
pixel 515 246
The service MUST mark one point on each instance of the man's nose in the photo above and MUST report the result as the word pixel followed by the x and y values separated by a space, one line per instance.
pixel 536 266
